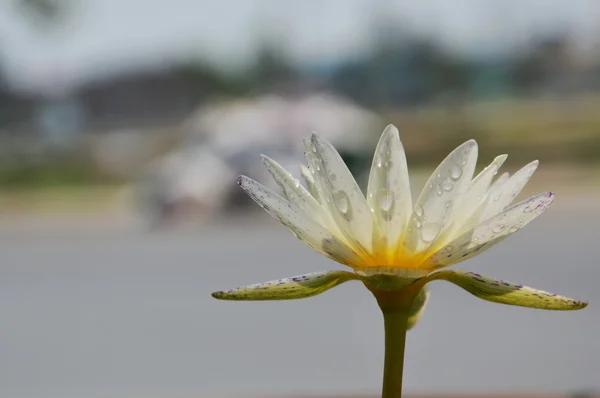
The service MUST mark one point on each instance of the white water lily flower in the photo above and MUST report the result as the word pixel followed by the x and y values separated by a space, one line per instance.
pixel 391 243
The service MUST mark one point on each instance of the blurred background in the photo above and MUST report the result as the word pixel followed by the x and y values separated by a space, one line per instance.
pixel 123 124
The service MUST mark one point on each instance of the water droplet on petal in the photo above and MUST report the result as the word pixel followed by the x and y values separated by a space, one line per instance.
pixel 386 200
pixel 455 172
pixel 438 190
pixel 513 229
pixel 378 160
pixel 419 210
pixel 342 202
pixel 429 231
pixel 449 248
pixel 498 228
pixel 496 198
pixel 447 186
pixel 417 223
pixel 332 177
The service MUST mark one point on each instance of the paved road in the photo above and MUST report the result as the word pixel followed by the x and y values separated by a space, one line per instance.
pixel 115 312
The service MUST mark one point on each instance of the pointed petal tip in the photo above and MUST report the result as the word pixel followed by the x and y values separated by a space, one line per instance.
pixel 240 180
pixel 391 129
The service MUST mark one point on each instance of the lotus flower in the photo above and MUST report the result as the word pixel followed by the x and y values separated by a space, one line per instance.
pixel 394 246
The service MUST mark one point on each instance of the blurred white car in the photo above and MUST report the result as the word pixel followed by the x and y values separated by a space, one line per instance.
pixel 225 139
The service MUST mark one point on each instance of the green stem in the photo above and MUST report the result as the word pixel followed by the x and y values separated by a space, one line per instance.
pixel 395 341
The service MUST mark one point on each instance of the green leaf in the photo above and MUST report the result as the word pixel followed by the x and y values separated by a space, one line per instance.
pixel 417 308
pixel 295 287
pixel 503 292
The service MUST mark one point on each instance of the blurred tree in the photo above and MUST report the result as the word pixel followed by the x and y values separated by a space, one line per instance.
pixel 43 13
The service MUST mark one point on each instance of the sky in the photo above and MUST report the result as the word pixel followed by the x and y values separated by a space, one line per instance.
pixel 98 38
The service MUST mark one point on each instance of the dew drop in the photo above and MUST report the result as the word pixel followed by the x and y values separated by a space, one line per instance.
pixel 297 184
pixel 342 202
pixel 429 231
pixel 419 210
pixel 386 200
pixel 417 223
pixel 378 160
pixel 496 198
pixel 513 229
pixel 447 186
pixel 439 190
pixel 449 248
pixel 332 177
pixel 498 228
pixel 455 172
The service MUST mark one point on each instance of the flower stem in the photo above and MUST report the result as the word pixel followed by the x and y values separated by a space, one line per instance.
pixel 395 341
pixel 396 306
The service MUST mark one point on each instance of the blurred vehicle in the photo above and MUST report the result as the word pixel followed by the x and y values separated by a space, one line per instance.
pixel 224 139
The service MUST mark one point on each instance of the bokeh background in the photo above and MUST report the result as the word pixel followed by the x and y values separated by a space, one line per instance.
pixel 123 124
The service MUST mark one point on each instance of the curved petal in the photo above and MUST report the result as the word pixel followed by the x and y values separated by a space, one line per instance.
pixel 469 211
pixel 502 178
pixel 295 287
pixel 295 192
pixel 300 223
pixel 310 182
pixel 388 193
pixel 417 308
pixel 490 232
pixel 499 291
pixel 503 194
pixel 340 192
pixel 433 207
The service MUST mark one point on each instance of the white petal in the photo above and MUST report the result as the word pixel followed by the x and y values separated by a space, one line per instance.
pixel 301 224
pixel 310 182
pixel 490 232
pixel 339 190
pixel 292 190
pixel 500 180
pixel 434 206
pixel 388 194
pixel 468 213
pixel 502 195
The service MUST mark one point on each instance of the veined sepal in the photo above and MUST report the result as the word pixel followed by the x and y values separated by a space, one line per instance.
pixel 503 292
pixel 295 287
